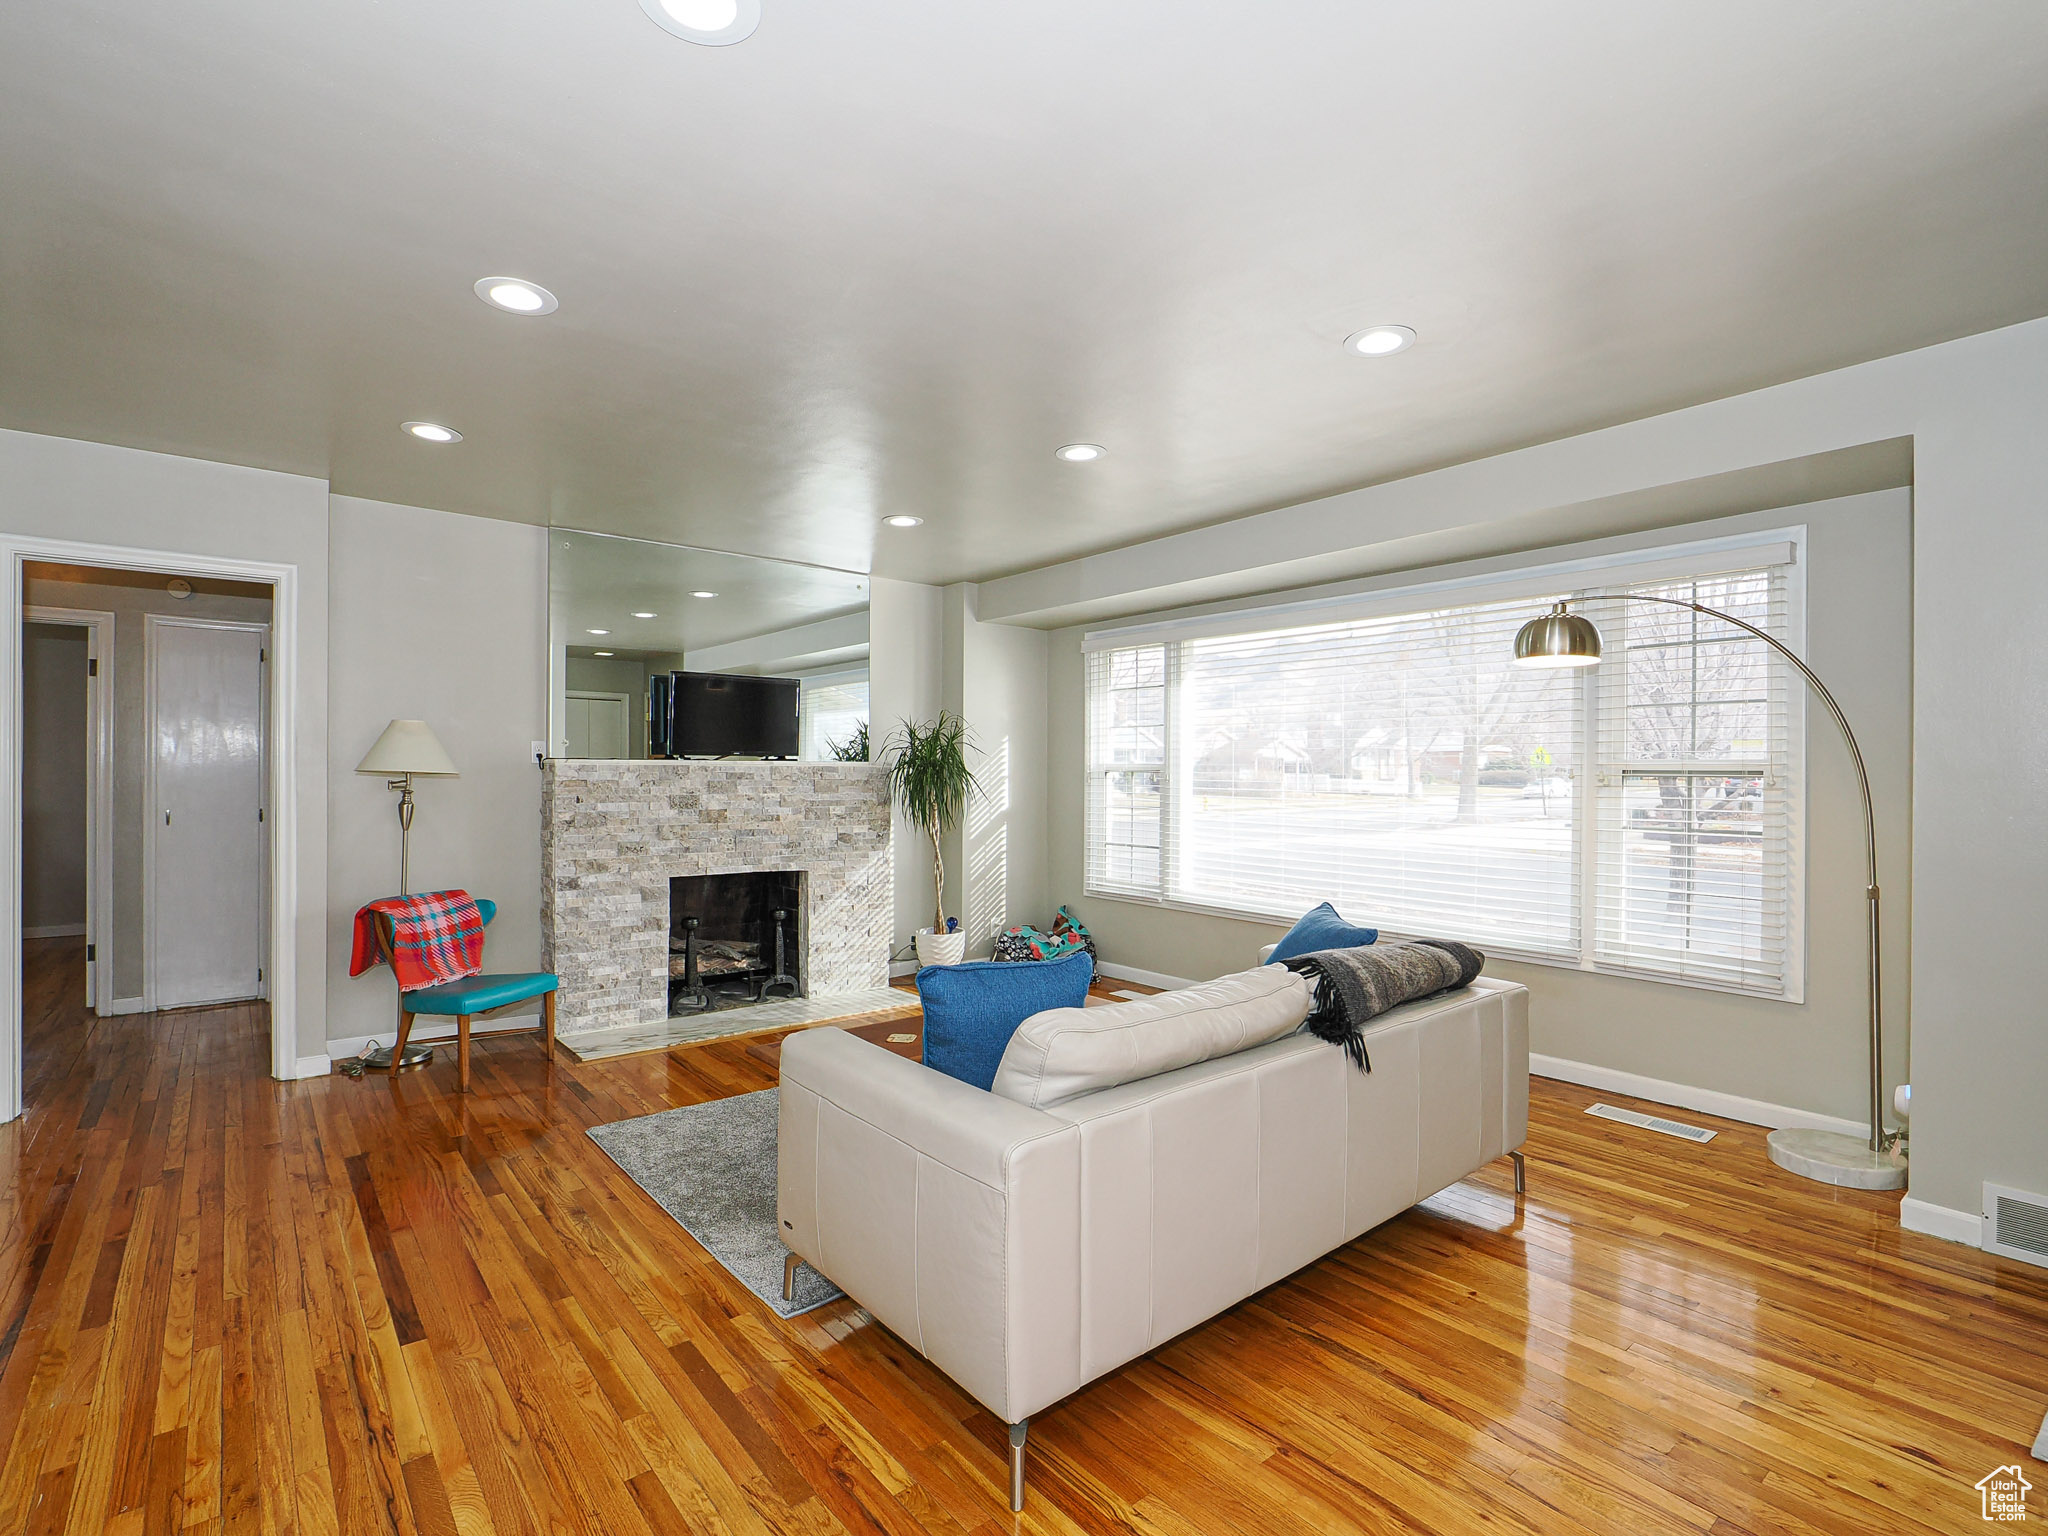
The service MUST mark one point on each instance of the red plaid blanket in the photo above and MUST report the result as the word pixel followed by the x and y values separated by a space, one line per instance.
pixel 435 938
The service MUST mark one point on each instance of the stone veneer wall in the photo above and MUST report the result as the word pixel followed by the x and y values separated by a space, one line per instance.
pixel 612 833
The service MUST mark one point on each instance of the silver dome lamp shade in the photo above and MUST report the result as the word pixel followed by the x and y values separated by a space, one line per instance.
pixel 1560 638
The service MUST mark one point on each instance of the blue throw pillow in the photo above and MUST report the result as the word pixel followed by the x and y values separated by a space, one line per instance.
pixel 1321 928
pixel 971 1010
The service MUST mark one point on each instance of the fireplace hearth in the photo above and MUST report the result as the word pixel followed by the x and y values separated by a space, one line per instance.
pixel 733 940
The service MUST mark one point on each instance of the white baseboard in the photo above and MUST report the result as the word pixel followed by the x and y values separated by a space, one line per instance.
pixel 1941 1221
pixel 902 968
pixel 55 931
pixel 125 1005
pixel 313 1066
pixel 1159 979
pixel 1705 1101
pixel 432 1034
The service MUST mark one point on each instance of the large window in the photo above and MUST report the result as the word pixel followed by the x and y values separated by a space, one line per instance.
pixel 1638 817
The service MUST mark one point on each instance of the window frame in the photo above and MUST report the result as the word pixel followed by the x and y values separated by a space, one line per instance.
pixel 1595 580
pixel 1099 766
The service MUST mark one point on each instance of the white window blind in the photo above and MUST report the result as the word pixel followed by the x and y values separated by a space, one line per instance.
pixel 831 708
pixel 1639 818
pixel 1126 758
pixel 1697 787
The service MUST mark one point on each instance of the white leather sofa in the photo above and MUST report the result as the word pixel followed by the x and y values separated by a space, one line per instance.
pixel 1026 1251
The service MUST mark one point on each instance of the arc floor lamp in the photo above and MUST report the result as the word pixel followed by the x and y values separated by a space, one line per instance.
pixel 1561 638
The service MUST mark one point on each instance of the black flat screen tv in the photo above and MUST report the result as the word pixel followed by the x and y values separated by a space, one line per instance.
pixel 717 714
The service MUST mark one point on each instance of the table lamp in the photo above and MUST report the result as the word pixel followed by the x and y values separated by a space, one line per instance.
pixel 408 749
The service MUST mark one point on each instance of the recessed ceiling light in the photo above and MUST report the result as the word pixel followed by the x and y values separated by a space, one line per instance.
pixel 643 615
pixel 703 594
pixel 431 432
pixel 604 653
pixel 901 520
pixel 1380 340
pixel 1080 453
pixel 516 296
pixel 597 631
pixel 714 23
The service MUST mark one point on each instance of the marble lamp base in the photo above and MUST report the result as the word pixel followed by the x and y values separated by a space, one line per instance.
pixel 1833 1158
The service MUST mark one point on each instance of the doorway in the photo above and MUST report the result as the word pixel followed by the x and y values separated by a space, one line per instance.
pixel 184 859
pixel 67 658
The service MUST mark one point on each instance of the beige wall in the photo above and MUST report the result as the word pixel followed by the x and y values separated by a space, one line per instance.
pixel 1807 1055
pixel 995 680
pixel 441 618
pixel 53 776
pixel 905 682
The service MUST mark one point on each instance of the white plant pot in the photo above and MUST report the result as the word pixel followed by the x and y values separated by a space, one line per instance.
pixel 941 948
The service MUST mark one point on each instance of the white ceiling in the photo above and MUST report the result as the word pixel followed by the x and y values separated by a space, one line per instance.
pixel 885 257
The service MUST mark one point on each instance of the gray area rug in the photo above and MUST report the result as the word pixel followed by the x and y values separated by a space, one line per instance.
pixel 712 1167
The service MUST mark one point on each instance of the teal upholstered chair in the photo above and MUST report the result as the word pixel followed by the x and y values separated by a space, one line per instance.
pixel 474 997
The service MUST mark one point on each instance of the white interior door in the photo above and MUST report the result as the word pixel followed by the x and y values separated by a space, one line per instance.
pixel 206 880
pixel 597 724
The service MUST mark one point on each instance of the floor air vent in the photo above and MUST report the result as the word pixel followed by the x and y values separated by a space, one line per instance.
pixel 1655 1123
pixel 2016 1224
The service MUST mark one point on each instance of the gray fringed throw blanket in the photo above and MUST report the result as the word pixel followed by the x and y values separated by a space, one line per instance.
pixel 1354 986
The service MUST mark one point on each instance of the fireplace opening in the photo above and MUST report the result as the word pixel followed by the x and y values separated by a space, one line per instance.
pixel 733 940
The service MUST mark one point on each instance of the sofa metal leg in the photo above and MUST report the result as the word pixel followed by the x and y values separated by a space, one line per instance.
pixel 790 1264
pixel 1018 1431
pixel 1521 1174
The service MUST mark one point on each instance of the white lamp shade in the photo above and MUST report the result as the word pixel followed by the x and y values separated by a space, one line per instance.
pixel 407 746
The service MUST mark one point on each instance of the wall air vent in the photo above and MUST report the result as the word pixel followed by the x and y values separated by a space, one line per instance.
pixel 1652 1123
pixel 2016 1224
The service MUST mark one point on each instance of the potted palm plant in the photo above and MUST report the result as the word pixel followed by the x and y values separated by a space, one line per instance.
pixel 930 781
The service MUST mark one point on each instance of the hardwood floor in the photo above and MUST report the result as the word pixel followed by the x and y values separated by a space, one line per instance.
pixel 339 1306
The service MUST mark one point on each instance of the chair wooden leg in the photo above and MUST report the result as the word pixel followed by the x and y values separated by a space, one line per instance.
pixel 404 1034
pixel 462 1051
pixel 547 1019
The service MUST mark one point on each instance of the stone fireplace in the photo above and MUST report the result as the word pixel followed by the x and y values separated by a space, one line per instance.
pixel 628 852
